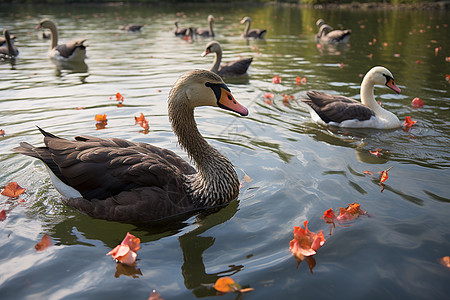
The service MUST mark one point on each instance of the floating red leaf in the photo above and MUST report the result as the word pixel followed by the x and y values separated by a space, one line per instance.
pixel 45 242
pixel 125 253
pixel 352 212
pixel 408 123
pixel 100 118
pixel 276 79
pixel 305 242
pixel 384 175
pixel 2 215
pixel 141 120
pixel 417 102
pixel 12 190
pixel 376 153
pixel 2 132
pixel 445 261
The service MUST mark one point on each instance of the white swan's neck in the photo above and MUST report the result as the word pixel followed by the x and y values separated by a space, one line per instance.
pixel 388 119
pixel 216 181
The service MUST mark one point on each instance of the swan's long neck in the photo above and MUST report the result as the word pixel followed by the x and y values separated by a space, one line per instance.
pixel 11 50
pixel 217 61
pixel 211 30
pixel 54 31
pixel 247 27
pixel 367 98
pixel 216 181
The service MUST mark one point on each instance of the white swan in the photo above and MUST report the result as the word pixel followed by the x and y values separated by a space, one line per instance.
pixel 346 112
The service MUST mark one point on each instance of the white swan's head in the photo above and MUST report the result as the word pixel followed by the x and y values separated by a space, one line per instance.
pixel 212 46
pixel 246 19
pixel 203 88
pixel 211 18
pixel 382 76
pixel 46 23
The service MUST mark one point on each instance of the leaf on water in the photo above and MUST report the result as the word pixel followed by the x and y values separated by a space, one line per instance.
pixel 276 79
pixel 2 215
pixel 368 172
pixel 12 190
pixel 376 153
pixel 125 253
pixel 417 103
pixel 350 213
pixel 305 242
pixel 142 121
pixel 45 242
pixel 119 97
pixel 225 285
pixel 445 261
pixel 2 132
pixel 384 175
pixel 100 118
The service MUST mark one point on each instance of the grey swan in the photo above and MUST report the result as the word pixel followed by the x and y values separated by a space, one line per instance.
pixel 12 39
pixel 254 33
pixel 132 27
pixel 346 112
pixel 180 31
pixel 9 51
pixel 230 69
pixel 207 32
pixel 71 51
pixel 328 34
pixel 119 180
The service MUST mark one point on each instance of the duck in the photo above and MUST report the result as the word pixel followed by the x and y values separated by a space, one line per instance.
pixel 207 32
pixel 180 31
pixel 9 50
pixel 133 182
pixel 254 33
pixel 234 68
pixel 131 27
pixel 71 51
pixel 341 111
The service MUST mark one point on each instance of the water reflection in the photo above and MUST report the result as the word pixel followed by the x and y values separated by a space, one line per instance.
pixel 63 68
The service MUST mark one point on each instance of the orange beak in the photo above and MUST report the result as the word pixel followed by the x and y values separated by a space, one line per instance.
pixel 227 101
pixel 207 51
pixel 391 84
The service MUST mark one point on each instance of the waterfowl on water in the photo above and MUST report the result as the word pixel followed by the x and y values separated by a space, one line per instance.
pixel 328 34
pixel 3 40
pixel 206 32
pixel 234 68
pixel 73 51
pixel 254 33
pixel 132 27
pixel 9 50
pixel 180 31
pixel 119 180
pixel 346 112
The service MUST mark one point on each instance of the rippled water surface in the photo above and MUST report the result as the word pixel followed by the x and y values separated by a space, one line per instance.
pixel 298 169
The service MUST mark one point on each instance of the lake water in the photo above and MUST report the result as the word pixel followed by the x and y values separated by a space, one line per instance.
pixel 298 169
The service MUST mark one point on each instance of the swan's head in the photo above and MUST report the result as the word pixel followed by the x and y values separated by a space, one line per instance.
pixel 246 19
pixel 320 22
pixel 203 88
pixel 6 34
pixel 46 23
pixel 325 29
pixel 212 46
pixel 382 76
pixel 211 18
